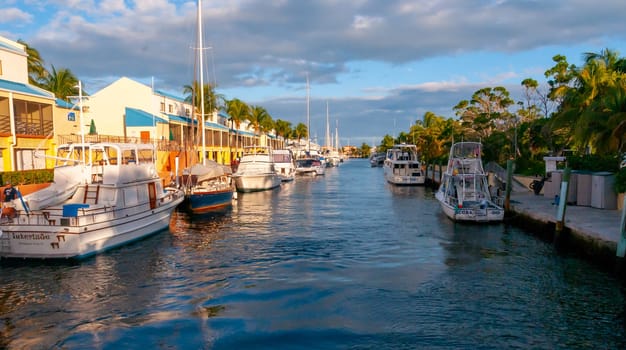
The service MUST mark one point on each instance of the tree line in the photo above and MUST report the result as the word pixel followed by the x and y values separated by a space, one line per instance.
pixel 580 110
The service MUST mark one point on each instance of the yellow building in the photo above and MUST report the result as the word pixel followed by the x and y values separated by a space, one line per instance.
pixel 33 122
pixel 26 113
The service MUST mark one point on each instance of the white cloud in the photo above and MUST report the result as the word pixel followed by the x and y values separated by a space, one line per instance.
pixel 14 14
pixel 365 22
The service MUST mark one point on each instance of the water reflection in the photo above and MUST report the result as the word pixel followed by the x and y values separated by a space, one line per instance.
pixel 340 261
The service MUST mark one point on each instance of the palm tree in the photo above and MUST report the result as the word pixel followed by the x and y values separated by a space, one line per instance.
pixel 62 83
pixel 238 112
pixel 36 70
pixel 259 119
pixel 301 131
pixel 283 128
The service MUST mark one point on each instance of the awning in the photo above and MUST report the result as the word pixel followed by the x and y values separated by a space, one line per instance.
pixel 137 117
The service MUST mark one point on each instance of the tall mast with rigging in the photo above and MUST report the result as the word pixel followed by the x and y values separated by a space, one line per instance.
pixel 201 72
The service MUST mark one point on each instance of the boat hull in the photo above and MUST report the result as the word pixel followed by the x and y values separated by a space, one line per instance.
pixel 46 235
pixel 202 202
pixel 475 212
pixel 256 183
pixel 405 180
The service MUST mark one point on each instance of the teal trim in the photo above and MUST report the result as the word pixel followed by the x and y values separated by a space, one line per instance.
pixel 15 49
pixel 168 95
pixel 137 117
pixel 67 105
pixel 24 88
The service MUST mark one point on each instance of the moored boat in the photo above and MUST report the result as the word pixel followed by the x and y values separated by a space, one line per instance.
pixel 207 187
pixel 464 191
pixel 207 184
pixel 256 170
pixel 120 199
pixel 284 164
pixel 402 166
pixel 309 163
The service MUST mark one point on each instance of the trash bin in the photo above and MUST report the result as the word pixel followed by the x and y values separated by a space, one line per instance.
pixel 583 188
pixel 602 194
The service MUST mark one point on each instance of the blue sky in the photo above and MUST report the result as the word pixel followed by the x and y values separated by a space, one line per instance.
pixel 380 64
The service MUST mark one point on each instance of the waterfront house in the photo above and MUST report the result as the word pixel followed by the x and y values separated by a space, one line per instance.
pixel 26 112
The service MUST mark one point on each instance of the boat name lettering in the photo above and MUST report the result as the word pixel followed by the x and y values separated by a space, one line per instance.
pixel 30 236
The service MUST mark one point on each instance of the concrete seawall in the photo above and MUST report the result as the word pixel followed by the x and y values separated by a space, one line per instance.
pixel 589 233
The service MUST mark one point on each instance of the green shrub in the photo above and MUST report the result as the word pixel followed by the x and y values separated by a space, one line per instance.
pixel 27 177
pixel 593 162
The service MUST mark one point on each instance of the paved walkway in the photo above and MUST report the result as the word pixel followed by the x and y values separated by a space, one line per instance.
pixel 600 225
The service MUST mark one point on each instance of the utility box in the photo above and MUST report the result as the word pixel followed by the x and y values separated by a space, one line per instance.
pixel 583 188
pixel 602 194
pixel 552 186
pixel 572 188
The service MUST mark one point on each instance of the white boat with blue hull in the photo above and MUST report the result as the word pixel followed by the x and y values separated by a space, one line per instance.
pixel 464 191
pixel 120 199
pixel 208 187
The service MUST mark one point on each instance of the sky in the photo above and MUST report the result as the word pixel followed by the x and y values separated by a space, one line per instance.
pixel 378 65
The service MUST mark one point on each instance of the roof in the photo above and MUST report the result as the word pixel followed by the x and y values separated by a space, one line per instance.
pixel 168 95
pixel 67 105
pixel 12 48
pixel 24 88
pixel 179 118
pixel 137 117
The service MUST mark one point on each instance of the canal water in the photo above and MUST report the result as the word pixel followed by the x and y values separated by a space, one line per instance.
pixel 343 261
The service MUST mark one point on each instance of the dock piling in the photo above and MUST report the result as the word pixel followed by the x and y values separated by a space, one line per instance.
pixel 621 245
pixel 509 179
pixel 562 204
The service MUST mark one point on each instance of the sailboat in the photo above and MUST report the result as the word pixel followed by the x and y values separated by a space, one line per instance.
pixel 208 185
pixel 330 152
pixel 309 162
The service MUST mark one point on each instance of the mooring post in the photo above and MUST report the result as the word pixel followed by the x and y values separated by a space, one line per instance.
pixel 560 214
pixel 432 176
pixel 621 245
pixel 440 172
pixel 509 184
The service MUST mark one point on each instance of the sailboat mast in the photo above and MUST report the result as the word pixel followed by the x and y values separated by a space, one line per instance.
pixel 328 140
pixel 201 72
pixel 308 122
pixel 337 135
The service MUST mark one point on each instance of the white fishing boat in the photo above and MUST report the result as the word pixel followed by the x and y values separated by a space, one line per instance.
pixel 464 191
pixel 256 170
pixel 284 164
pixel 402 166
pixel 119 198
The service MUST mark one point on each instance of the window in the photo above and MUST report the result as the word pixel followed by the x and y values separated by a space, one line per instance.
pixel 0 67
pixel 171 108
pixel 162 106
pixel 187 112
pixel 32 118
pixel 26 159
